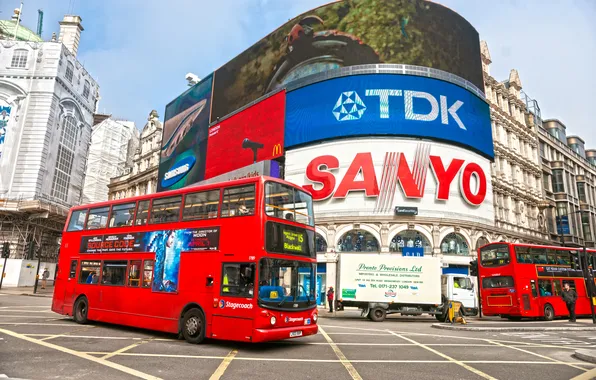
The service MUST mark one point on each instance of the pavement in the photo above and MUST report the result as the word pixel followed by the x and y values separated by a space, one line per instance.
pixel 48 292
pixel 38 344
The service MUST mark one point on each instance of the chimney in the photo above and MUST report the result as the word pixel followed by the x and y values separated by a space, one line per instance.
pixel 70 32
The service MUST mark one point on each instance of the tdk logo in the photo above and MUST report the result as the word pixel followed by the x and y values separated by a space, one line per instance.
pixel 350 106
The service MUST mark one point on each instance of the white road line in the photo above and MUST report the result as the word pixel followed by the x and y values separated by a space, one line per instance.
pixel 124 349
pixel 27 311
pixel 340 333
pixel 349 367
pixel 37 324
pixel 223 365
pixel 464 365
pixel 538 355
pixel 89 337
pixel 8 307
pixel 589 375
pixel 81 355
pixel 23 316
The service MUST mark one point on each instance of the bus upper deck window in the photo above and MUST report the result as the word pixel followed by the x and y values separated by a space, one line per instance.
pixel 77 220
pixel 98 218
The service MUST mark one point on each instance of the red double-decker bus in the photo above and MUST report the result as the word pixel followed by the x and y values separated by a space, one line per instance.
pixel 525 281
pixel 233 261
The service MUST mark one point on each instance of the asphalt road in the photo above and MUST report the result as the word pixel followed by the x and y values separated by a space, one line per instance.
pixel 38 344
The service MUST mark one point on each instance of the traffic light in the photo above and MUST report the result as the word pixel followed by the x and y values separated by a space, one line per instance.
pixel 5 250
pixel 575 261
pixel 474 268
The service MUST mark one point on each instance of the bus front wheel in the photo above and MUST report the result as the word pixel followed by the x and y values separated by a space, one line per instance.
pixel 377 314
pixel 549 313
pixel 193 326
pixel 81 309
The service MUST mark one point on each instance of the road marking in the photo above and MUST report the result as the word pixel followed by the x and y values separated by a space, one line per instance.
pixel 81 355
pixel 349 367
pixel 88 337
pixel 23 316
pixel 538 355
pixel 341 333
pixel 469 368
pixel 27 311
pixel 223 365
pixel 589 375
pixel 37 324
pixel 8 307
pixel 117 352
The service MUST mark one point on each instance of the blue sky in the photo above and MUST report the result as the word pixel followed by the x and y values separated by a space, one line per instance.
pixel 140 50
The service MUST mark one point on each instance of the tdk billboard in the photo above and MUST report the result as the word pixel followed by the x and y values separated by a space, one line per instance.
pixel 388 105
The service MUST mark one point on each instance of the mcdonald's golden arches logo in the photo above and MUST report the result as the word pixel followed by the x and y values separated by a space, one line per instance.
pixel 277 150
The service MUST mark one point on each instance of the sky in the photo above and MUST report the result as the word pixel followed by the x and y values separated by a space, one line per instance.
pixel 140 50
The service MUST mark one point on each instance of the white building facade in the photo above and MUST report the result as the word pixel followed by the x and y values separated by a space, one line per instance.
pixel 47 101
pixel 113 144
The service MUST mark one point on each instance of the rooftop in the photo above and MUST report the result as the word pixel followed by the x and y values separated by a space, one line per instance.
pixel 7 28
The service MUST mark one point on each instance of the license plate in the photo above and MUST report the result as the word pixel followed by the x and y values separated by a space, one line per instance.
pixel 295 333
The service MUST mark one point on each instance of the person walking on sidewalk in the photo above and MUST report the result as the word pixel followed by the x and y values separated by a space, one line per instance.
pixel 569 296
pixel 330 294
pixel 44 278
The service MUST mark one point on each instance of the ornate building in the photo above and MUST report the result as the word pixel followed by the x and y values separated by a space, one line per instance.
pixel 47 102
pixel 516 171
pixel 141 177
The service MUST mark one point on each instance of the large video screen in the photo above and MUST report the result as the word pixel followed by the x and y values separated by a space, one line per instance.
pixel 347 33
pixel 253 135
pixel 184 141
pixel 388 105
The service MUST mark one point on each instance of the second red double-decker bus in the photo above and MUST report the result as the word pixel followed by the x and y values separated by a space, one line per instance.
pixel 232 261
pixel 525 281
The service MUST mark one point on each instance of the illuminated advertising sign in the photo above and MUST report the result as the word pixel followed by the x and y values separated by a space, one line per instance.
pixel 349 33
pixel 263 168
pixel 184 141
pixel 388 105
pixel 373 177
pixel 250 136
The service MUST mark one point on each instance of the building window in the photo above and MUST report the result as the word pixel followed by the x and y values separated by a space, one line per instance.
pixel 410 239
pixel 558 183
pixel 86 90
pixel 321 244
pixel 69 71
pixel 581 192
pixel 455 244
pixel 66 152
pixel 481 242
pixel 358 241
pixel 19 58
pixel 586 226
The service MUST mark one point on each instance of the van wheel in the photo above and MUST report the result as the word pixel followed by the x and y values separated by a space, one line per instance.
pixel 81 308
pixel 441 317
pixel 193 326
pixel 549 313
pixel 377 314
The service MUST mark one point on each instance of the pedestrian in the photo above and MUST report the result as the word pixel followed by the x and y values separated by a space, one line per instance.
pixel 44 278
pixel 569 296
pixel 330 294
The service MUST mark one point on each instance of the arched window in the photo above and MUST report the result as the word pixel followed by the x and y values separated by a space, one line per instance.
pixel 69 71
pixel 410 238
pixel 66 153
pixel 19 58
pixel 481 241
pixel 321 243
pixel 358 241
pixel 455 244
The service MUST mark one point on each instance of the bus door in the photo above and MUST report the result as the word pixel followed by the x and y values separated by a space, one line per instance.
pixel 236 303
pixel 70 281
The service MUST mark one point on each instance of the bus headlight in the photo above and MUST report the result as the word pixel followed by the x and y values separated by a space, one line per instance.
pixel 315 316
pixel 273 320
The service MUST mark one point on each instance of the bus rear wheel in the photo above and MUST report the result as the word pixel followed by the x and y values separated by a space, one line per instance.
pixel 81 308
pixel 549 313
pixel 193 326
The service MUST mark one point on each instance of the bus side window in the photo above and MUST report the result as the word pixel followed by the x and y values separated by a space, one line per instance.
pixel 90 272
pixel 199 206
pixel 77 220
pixel 165 210
pixel 522 255
pixel 551 256
pixel 113 272
pixel 534 290
pixel 238 201
pixel 73 269
pixel 142 211
pixel 98 218
pixel 134 273
pixel 546 288
pixel 122 215
pixel 147 273
pixel 558 289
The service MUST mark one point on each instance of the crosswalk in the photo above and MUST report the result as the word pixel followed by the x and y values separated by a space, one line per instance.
pixel 587 341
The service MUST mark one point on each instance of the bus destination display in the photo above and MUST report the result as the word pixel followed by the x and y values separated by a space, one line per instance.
pixel 191 239
pixel 293 241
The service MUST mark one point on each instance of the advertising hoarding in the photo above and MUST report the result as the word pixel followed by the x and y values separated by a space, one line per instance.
pixel 388 105
pixel 371 177
pixel 390 278
pixel 263 168
pixel 184 141
pixel 250 136
pixel 348 33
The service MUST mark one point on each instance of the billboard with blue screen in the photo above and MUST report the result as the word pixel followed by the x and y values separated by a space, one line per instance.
pixel 388 105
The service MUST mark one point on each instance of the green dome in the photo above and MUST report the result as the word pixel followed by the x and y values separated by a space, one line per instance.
pixel 23 33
